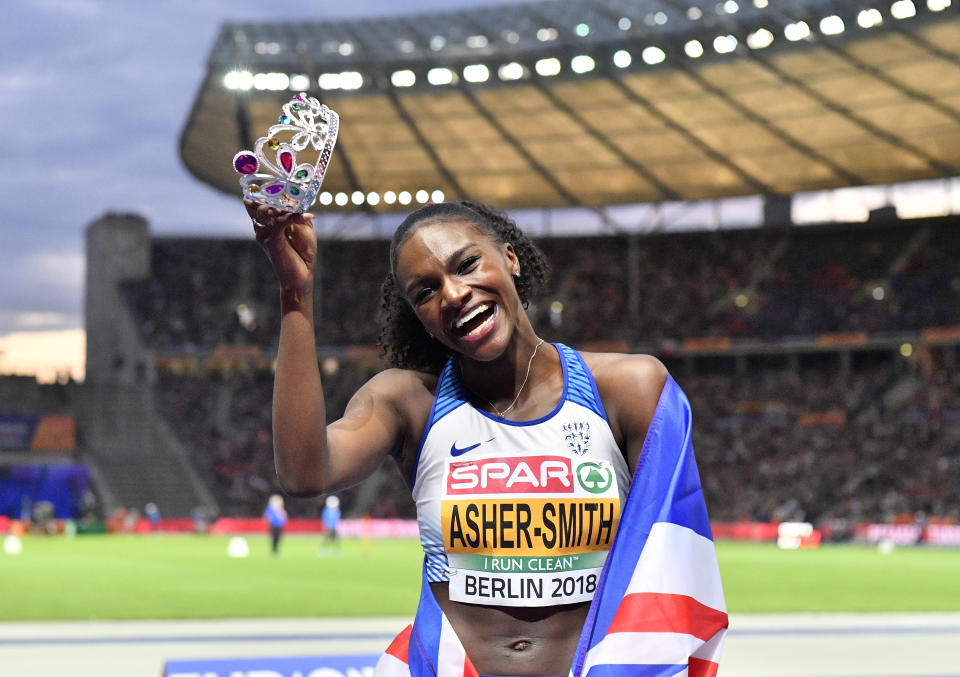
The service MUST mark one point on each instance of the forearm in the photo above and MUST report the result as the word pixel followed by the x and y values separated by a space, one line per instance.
pixel 299 411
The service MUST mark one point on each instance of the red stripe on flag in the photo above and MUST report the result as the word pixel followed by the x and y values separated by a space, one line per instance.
pixel 701 668
pixel 468 669
pixel 660 612
pixel 400 646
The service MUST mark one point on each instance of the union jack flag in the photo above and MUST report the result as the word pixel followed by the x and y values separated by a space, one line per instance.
pixel 659 607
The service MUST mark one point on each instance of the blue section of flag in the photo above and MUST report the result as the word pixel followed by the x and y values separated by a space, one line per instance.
pixel 620 670
pixel 425 637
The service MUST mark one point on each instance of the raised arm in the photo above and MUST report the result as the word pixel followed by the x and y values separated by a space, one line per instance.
pixel 310 459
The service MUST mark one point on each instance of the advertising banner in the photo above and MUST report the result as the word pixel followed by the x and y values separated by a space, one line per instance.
pixel 296 666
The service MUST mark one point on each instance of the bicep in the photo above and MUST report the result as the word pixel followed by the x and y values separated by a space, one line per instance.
pixel 370 429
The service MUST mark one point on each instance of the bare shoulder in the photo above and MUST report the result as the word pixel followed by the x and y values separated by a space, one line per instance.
pixel 624 374
pixel 629 386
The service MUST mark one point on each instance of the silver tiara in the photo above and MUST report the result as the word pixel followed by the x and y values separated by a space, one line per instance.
pixel 280 180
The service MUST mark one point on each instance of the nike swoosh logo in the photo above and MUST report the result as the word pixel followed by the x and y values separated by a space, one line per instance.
pixel 456 452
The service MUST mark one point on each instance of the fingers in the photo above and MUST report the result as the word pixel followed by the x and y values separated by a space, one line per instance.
pixel 269 220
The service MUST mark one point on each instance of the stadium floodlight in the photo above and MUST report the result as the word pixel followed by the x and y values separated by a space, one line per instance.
pixel 547 34
pixel 329 81
pixel 511 71
pixel 267 48
pixel 624 23
pixel 341 199
pixel 878 293
pixel 406 46
pixel 937 5
pixel 477 41
pixel 731 7
pixel 868 18
pixel 437 195
pixel 906 349
pixel 326 197
pixel 760 39
pixel 476 72
pixel 373 198
pixel 344 80
pixel 832 25
pixel 903 9
pixel 653 55
pixel 582 30
pixel 694 14
pixel 299 82
pixel 794 32
pixel 351 80
pixel 622 58
pixel 345 48
pixel 548 67
pixel 582 64
pixel 693 49
pixel 389 197
pixel 511 36
pixel 241 80
pixel 357 197
pixel 660 18
pixel 274 82
pixel 403 78
pixel 724 44
pixel 404 197
pixel 423 196
pixel 760 4
pixel 440 76
pixel 437 42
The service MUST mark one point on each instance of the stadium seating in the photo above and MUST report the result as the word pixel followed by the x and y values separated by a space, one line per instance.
pixel 819 360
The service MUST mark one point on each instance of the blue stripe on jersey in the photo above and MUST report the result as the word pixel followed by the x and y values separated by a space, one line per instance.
pixel 435 556
pixel 581 388
pixel 450 393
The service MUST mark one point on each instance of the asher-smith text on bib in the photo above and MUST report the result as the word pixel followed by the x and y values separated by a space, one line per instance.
pixel 527 530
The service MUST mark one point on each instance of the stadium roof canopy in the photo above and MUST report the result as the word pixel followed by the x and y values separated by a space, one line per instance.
pixel 651 100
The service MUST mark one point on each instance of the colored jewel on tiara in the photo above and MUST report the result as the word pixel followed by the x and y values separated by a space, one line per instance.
pixel 280 180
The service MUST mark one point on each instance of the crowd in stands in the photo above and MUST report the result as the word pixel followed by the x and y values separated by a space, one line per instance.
pixel 758 284
pixel 827 446
pixel 224 419
pixel 866 442
pixel 775 443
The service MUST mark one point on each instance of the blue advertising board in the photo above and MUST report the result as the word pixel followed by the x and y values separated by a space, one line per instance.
pixel 291 666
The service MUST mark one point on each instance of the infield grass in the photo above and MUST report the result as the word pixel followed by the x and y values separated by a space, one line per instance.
pixel 174 576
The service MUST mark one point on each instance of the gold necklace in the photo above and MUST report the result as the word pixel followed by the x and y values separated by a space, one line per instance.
pixel 503 414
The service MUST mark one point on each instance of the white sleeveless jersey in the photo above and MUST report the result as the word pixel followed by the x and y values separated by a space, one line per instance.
pixel 519 513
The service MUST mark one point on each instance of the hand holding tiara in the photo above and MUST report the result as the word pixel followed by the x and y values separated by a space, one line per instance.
pixel 281 181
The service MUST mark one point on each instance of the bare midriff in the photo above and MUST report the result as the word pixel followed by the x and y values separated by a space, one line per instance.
pixel 504 640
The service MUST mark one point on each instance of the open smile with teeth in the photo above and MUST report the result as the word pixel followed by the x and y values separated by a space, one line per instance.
pixel 474 321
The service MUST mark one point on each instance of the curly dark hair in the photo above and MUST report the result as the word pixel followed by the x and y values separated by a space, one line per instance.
pixel 403 341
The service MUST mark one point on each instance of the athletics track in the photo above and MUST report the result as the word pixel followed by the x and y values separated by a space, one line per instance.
pixel 787 645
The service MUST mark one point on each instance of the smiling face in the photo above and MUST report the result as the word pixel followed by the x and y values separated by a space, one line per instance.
pixel 458 280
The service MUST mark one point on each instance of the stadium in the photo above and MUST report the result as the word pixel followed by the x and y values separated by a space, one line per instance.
pixel 763 195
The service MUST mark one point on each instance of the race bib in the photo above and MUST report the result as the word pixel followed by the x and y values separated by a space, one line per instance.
pixel 527 531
